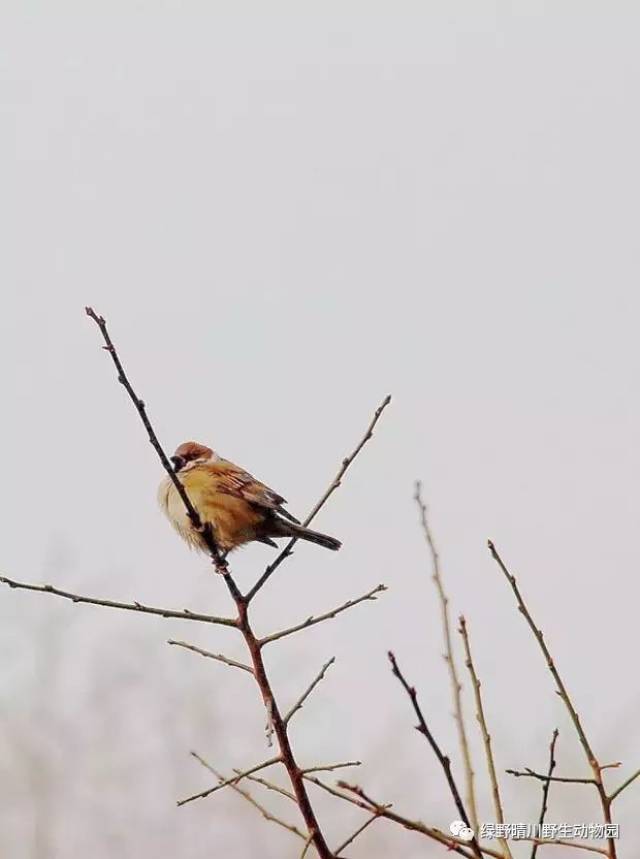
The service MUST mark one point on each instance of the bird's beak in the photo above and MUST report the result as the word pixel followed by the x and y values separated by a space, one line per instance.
pixel 178 462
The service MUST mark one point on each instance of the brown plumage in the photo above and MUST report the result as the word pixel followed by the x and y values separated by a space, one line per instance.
pixel 238 507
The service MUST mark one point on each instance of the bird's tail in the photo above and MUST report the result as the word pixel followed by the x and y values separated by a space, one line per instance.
pixel 292 529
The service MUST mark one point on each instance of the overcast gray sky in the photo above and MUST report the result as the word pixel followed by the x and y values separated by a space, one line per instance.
pixel 286 211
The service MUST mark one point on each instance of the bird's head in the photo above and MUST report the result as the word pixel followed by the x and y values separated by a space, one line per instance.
pixel 190 453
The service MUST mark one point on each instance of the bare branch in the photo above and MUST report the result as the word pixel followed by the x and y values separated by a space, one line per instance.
pixel 605 801
pixel 250 799
pixel 331 767
pixel 545 788
pixel 456 686
pixel 141 408
pixel 486 737
pixel 307 845
pixel 217 656
pixel 355 834
pixel 346 462
pixel 624 785
pixel 270 785
pixel 358 797
pixel 311 621
pixel 184 614
pixel 528 773
pixel 443 759
pixel 236 778
pixel 300 702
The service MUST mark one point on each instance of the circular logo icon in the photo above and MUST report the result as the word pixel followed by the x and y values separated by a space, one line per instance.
pixel 460 829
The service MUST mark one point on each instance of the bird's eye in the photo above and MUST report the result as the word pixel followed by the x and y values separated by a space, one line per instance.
pixel 178 462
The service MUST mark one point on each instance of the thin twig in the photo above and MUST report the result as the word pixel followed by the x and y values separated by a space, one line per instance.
pixel 270 785
pixel 624 785
pixel 234 780
pixel 456 686
pixel 545 788
pixel 326 768
pixel 184 614
pixel 605 801
pixel 528 773
pixel 346 462
pixel 311 621
pixel 355 834
pixel 358 797
pixel 307 845
pixel 250 799
pixel 486 736
pixel 153 438
pixel 443 759
pixel 300 702
pixel 219 657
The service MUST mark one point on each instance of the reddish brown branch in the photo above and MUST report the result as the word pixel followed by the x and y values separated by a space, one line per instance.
pixel 280 729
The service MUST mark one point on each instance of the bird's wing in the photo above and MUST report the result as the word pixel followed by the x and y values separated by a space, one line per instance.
pixel 233 480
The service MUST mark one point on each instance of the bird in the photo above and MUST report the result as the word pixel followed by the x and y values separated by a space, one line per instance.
pixel 238 508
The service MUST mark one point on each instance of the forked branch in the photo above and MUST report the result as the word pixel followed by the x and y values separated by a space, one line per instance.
pixel 268 815
pixel 275 720
pixel 233 780
pixel 356 796
pixel 545 788
pixel 596 768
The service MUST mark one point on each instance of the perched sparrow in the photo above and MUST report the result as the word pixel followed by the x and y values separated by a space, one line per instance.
pixel 237 506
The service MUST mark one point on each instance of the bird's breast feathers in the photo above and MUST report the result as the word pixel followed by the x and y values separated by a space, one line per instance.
pixel 217 491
